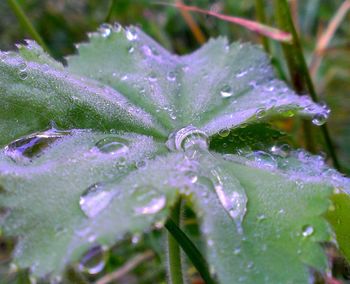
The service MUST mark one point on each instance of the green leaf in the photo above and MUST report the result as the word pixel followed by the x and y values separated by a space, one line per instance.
pixel 35 94
pixel 117 103
pixel 282 226
pixel 217 87
pixel 42 191
pixel 338 216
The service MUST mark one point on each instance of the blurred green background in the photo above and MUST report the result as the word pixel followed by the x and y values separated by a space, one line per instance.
pixel 61 23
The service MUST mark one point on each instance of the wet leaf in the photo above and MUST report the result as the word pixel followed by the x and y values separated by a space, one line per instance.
pixel 131 126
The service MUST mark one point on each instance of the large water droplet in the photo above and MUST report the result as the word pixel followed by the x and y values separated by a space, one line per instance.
pixel 94 260
pixel 232 198
pixel 226 91
pixel 33 145
pixel 307 231
pixel 113 145
pixel 319 119
pixel 186 138
pixel 94 199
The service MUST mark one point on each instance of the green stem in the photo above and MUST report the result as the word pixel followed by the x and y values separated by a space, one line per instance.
pixel 110 11
pixel 191 251
pixel 26 24
pixel 174 253
pixel 296 62
pixel 261 17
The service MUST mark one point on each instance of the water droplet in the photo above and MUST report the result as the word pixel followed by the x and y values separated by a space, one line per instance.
pixel 192 176
pixel 153 206
pixel 226 91
pixel 94 199
pixel 33 145
pixel 152 77
pixel 117 27
pixel 131 49
pixel 210 242
pixel 319 119
pixel 241 74
pixel 131 34
pixel 307 231
pixel 261 217
pixel 136 239
pixel 237 251
pixel 260 113
pixel 263 159
pixel 186 138
pixel 94 260
pixel 23 75
pixel 22 66
pixel 113 145
pixel 224 132
pixel 147 199
pixel 171 76
pixel 250 265
pixel 141 164
pixel 105 30
pixel 233 201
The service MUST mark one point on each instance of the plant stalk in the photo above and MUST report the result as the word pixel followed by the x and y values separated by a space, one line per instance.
pixel 26 24
pixel 298 68
pixel 190 250
pixel 174 253
pixel 261 17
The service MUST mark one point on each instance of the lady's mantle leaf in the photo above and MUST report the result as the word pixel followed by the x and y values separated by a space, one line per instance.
pixel 219 86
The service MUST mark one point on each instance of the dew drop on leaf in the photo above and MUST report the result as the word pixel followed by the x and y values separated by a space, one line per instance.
pixel 186 138
pixel 34 144
pixel 94 199
pixel 224 132
pixel 153 206
pixel 94 260
pixel 226 91
pixel 171 76
pixel 234 202
pixel 260 113
pixel 319 119
pixel 23 75
pixel 148 200
pixel 112 145
pixel 131 34
pixel 307 231
pixel 105 30
pixel 117 27
pixel 22 66
pixel 241 74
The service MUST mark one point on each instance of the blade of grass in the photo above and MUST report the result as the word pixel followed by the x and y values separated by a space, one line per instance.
pixel 296 55
pixel 261 17
pixel 326 37
pixel 199 36
pixel 26 24
pixel 191 251
pixel 174 254
pixel 110 11
pixel 262 29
